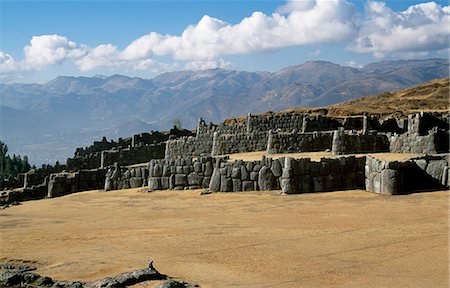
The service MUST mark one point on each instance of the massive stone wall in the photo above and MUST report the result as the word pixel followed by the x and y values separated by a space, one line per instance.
pixel 285 142
pixel 89 161
pixel 179 174
pixel 347 142
pixel 240 143
pixel 66 183
pixel 133 155
pixel 292 175
pixel 395 177
pixel 201 145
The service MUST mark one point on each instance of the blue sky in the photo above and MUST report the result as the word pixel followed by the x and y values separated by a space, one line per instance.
pixel 40 40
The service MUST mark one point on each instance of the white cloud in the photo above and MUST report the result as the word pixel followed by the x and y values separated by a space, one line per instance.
pixel 420 28
pixel 208 64
pixel 316 52
pixel 379 30
pixel 50 49
pixel 353 64
pixel 105 55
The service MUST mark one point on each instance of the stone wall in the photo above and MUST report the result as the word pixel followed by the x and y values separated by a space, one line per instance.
pixel 201 145
pixel 291 175
pixel 240 143
pixel 160 174
pixel 66 183
pixel 89 161
pixel 348 142
pixel 285 142
pixel 413 143
pixel 133 155
pixel 395 177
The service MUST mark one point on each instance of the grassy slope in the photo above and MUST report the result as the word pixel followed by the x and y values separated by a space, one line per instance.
pixel 430 96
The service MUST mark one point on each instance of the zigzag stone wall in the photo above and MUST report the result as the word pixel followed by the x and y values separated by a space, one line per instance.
pixel 395 177
pixel 285 142
pixel 133 155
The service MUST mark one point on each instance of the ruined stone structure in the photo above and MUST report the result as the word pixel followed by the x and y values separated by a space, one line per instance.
pixel 183 160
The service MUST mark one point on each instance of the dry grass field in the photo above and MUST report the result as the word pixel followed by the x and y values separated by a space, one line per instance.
pixel 249 239
pixel 432 96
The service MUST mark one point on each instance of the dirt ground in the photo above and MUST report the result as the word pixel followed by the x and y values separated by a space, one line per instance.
pixel 249 239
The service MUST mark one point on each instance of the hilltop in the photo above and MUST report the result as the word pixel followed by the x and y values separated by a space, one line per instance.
pixel 430 96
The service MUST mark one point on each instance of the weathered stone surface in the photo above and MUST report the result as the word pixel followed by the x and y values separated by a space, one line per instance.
pixel 377 183
pixel 226 185
pixel 254 176
pixel 266 179
pixel 172 181
pixel 194 179
pixel 135 182
pixel 237 185
pixel 206 181
pixel 245 175
pixel 306 183
pixel 165 182
pixel 276 168
pixel 389 182
pixel 318 184
pixel 247 186
pixel 422 163
pixel 170 283
pixel 157 170
pixel 129 278
pixel 181 180
pixel 208 168
pixel 154 183
pixel 214 185
pixel 236 172
pixel 435 169
pixel 197 167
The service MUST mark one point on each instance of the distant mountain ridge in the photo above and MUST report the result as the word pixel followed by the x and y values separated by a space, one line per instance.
pixel 73 110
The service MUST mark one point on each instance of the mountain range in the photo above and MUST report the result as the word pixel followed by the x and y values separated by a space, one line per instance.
pixel 48 121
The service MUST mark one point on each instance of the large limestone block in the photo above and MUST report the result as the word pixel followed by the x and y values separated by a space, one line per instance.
pixel 237 185
pixel 135 182
pixel 389 182
pixel 276 168
pixel 435 169
pixel 154 183
pixel 180 180
pixel 194 179
pixel 247 186
pixel 214 185
pixel 236 173
pixel 226 184
pixel 208 168
pixel 266 179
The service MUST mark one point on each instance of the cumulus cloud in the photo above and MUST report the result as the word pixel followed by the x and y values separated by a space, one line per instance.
pixel 50 49
pixel 420 28
pixel 379 30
